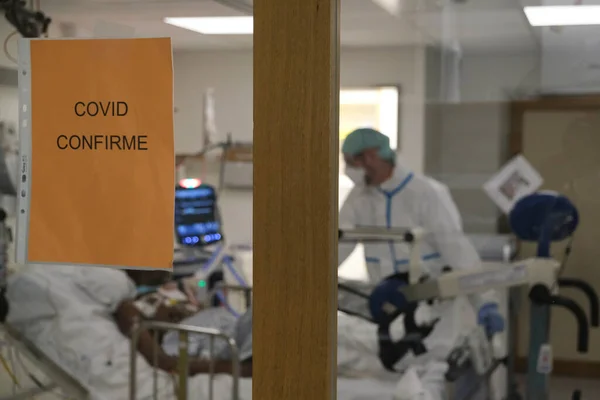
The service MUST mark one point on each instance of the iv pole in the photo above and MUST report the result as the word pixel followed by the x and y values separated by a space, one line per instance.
pixel 209 131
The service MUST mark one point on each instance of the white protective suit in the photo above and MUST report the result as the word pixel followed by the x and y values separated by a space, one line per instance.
pixel 410 200
pixel 407 200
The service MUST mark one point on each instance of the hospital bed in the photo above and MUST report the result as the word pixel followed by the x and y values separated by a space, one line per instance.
pixel 57 377
pixel 183 363
pixel 493 249
pixel 204 261
pixel 68 384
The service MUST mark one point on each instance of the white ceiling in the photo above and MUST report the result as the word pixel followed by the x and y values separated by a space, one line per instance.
pixel 476 24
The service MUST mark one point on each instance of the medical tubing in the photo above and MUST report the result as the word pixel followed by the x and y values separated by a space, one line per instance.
pixel 590 293
pixel 228 260
pixel 355 314
pixel 352 290
pixel 9 371
pixel 583 329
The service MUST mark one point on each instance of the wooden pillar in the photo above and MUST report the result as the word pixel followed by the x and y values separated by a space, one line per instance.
pixel 296 97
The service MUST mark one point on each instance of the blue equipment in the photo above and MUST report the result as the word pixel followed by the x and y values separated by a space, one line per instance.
pixel 384 304
pixel 547 217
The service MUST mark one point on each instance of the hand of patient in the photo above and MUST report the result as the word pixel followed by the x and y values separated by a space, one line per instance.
pixel 173 314
pixel 201 366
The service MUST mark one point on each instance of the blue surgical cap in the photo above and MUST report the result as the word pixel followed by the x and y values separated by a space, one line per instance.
pixel 362 139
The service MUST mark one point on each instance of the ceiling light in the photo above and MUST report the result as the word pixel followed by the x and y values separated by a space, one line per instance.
pixel 563 15
pixel 391 6
pixel 215 25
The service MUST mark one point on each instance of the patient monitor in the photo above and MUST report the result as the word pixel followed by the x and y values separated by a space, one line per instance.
pixel 197 219
pixel 199 234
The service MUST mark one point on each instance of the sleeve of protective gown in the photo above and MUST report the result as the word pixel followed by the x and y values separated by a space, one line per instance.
pixel 346 220
pixel 442 224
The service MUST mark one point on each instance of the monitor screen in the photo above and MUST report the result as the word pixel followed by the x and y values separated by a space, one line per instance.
pixel 197 221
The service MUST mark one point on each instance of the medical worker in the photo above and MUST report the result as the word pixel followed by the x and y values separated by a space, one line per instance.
pixel 387 194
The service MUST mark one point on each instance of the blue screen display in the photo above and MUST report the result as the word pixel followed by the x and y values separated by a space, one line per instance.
pixel 195 193
pixel 196 216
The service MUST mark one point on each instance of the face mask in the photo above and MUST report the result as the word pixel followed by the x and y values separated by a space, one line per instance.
pixel 356 175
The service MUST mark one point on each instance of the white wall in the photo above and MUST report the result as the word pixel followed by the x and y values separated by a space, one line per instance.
pixel 490 77
pixel 230 74
pixel 470 139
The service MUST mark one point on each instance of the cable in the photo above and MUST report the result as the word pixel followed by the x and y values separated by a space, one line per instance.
pixel 10 373
pixel 6 52
pixel 563 262
pixel 566 254
pixel 18 358
pixel 12 364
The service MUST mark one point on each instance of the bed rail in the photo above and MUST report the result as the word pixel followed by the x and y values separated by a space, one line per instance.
pixel 183 365
pixel 59 377
pixel 221 287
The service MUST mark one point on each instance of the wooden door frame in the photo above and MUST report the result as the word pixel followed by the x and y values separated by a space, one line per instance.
pixel 518 109
pixel 295 205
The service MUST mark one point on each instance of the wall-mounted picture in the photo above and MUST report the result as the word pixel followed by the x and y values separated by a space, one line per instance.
pixel 516 179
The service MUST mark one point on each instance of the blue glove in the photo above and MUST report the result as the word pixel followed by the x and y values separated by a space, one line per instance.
pixel 490 318
pixel 385 300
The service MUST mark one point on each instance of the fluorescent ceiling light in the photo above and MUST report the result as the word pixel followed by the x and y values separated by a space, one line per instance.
pixel 563 15
pixel 215 25
pixel 394 7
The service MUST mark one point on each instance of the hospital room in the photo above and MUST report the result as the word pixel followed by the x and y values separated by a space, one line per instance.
pixel 442 154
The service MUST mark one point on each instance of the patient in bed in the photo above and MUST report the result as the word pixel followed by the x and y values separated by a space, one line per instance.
pixel 82 318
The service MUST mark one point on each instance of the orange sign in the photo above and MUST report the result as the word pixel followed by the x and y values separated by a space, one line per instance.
pixel 101 167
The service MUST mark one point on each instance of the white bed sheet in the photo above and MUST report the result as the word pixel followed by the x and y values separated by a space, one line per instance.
pixel 347 389
pixel 365 389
